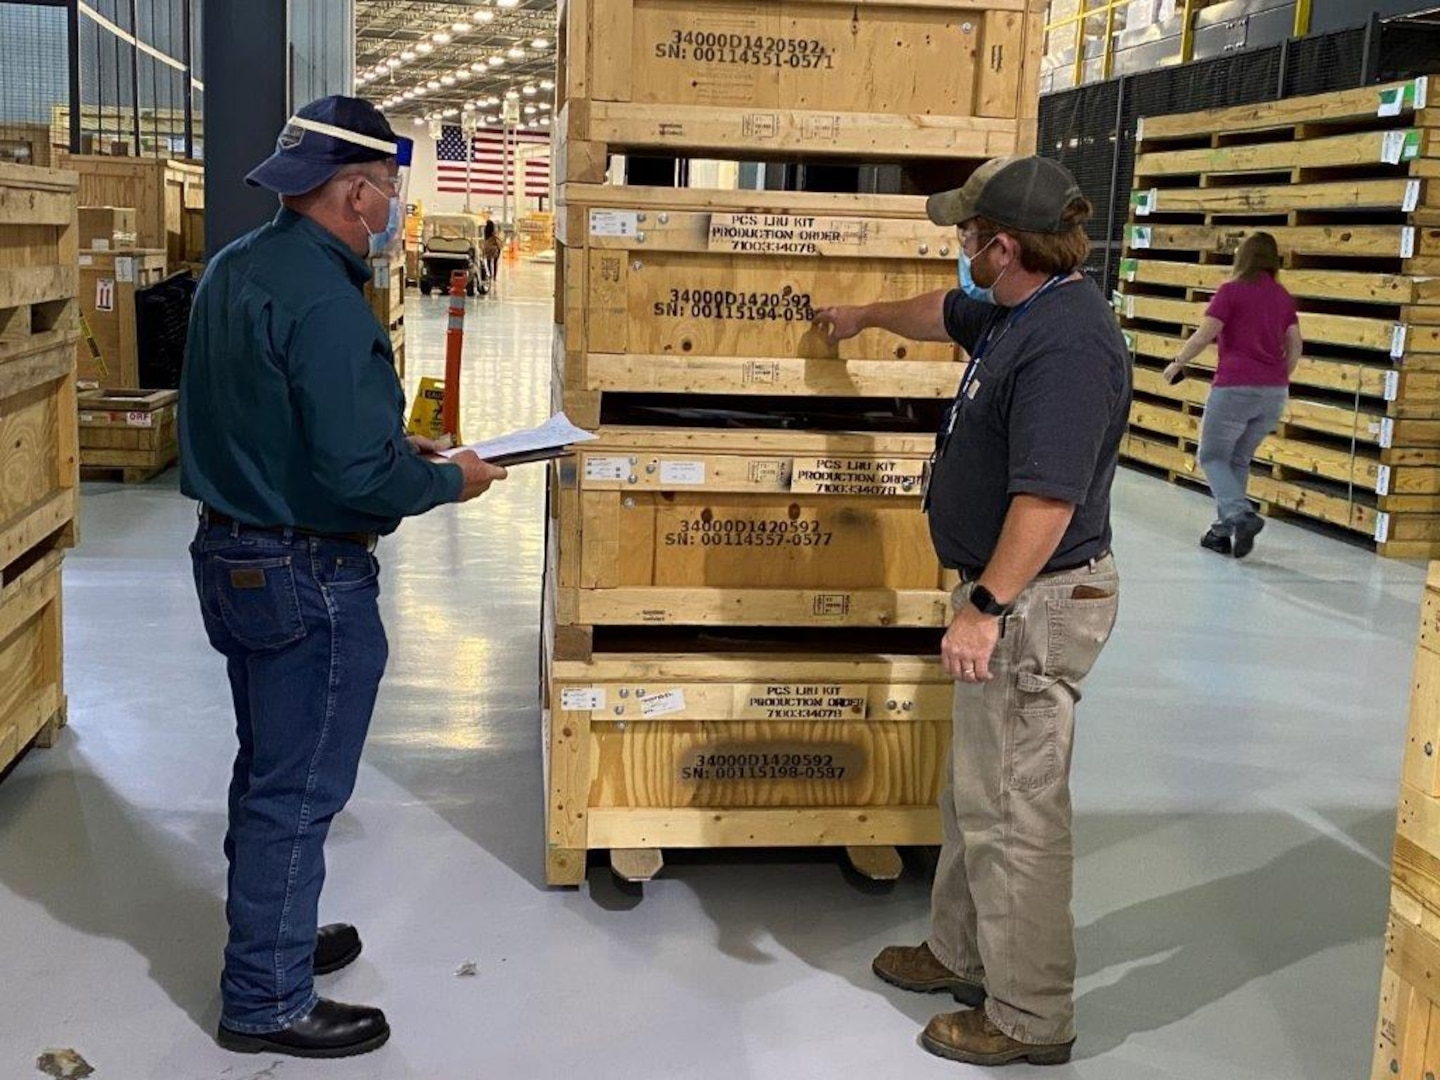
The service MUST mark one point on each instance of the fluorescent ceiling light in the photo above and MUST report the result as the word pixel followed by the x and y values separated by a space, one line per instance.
pixel 539 43
pixel 483 17
pixel 497 61
pixel 424 48
pixel 442 37
pixel 547 84
pixel 407 55
pixel 447 80
pixel 516 53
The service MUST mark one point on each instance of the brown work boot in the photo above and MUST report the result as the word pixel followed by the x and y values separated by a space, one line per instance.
pixel 971 1037
pixel 914 967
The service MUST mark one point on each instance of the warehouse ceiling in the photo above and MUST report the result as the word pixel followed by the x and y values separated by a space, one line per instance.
pixel 444 61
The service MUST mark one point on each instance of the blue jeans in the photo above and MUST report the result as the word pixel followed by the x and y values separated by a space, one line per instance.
pixel 298 623
pixel 1237 419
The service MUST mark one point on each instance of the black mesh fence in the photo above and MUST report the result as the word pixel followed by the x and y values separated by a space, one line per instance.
pixel 34 81
pixel 1091 129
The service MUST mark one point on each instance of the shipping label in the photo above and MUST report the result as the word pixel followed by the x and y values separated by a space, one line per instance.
pixel 857 476
pixel 801 701
pixel 771 761
pixel 786 234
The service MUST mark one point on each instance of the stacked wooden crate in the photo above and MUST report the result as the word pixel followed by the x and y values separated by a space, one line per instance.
pixel 743 609
pixel 168 196
pixel 1407 1043
pixel 386 294
pixel 39 468
pixel 1349 185
pixel 109 354
pixel 132 433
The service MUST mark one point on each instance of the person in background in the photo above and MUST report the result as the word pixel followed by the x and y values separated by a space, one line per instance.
pixel 292 442
pixel 1019 505
pixel 1254 319
pixel 490 249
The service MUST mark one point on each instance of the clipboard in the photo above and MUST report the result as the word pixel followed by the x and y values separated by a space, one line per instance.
pixel 524 457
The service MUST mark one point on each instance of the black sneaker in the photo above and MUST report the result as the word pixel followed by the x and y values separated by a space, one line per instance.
pixel 1217 542
pixel 1246 529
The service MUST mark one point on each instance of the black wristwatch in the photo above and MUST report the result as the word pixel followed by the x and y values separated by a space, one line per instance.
pixel 985 600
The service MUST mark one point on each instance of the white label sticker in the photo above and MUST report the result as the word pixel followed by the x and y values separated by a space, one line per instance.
pixel 1392 385
pixel 671 701
pixel 1382 480
pixel 614 222
pixel 582 699
pixel 1140 129
pixel 380 274
pixel 1140 237
pixel 1412 196
pixel 1407 242
pixel 1129 306
pixel 136 418
pixel 607 468
pixel 104 294
pixel 682 472
pixel 100 244
pixel 1392 101
pixel 1422 92
pixel 1392 147
pixel 1398 338
pixel 124 268
pixel 87 260
pixel 1387 433
pixel 1382 528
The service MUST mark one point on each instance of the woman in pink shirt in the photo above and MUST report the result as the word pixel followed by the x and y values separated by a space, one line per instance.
pixel 1254 318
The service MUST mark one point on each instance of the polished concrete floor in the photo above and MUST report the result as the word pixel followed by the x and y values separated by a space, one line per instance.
pixel 1236 772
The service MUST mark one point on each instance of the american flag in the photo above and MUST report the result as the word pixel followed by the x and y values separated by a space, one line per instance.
pixel 488 168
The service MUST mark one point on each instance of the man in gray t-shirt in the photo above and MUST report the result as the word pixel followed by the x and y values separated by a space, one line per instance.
pixel 1019 504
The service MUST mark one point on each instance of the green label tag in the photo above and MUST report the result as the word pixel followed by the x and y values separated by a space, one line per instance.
pixel 1412 144
pixel 1129 268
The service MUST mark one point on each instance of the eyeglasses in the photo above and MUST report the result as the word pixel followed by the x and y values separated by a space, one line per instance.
pixel 970 239
pixel 389 186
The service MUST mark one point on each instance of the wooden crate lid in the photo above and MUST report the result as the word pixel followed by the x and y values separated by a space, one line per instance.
pixel 128 400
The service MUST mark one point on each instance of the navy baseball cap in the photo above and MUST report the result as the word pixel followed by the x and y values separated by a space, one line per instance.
pixel 322 138
pixel 1030 194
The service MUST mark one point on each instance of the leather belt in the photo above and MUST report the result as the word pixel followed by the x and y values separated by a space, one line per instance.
pixel 972 573
pixel 215 517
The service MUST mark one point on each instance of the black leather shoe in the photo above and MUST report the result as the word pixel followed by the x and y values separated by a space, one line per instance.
pixel 336 945
pixel 1246 529
pixel 1216 541
pixel 332 1030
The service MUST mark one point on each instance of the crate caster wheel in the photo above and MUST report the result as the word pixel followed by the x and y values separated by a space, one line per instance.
pixel 876 863
pixel 636 864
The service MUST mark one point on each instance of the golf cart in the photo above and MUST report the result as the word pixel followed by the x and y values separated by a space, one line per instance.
pixel 450 242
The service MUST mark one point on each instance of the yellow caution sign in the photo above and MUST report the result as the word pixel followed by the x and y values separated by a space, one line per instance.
pixel 425 411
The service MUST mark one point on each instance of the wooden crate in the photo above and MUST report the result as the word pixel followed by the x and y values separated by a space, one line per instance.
pixel 889 80
pixel 32 695
pixel 1341 181
pixel 708 750
pixel 159 189
pixel 132 432
pixel 108 283
pixel 674 291
pixel 106 227
pixel 25 144
pixel 684 527
pixel 385 292
pixel 1407 1040
pixel 38 278
pixel 39 485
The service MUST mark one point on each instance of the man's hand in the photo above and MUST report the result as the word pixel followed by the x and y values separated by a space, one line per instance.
pixel 839 323
pixel 423 446
pixel 969 644
pixel 479 475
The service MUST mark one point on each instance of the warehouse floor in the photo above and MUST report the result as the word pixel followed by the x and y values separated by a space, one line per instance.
pixel 1235 780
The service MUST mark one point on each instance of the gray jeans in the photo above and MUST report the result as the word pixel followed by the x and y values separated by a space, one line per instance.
pixel 1237 419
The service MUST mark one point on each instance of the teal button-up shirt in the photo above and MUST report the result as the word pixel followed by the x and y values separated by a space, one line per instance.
pixel 290 409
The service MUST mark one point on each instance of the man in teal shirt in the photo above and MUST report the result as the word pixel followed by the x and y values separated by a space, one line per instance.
pixel 292 441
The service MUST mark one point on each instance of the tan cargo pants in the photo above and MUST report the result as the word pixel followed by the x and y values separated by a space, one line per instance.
pixel 1000 910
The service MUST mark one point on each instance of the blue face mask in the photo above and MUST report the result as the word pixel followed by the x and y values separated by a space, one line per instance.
pixel 967 279
pixel 381 242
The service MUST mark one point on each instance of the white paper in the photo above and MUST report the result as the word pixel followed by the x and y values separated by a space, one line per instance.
pixel 124 268
pixel 582 699
pixel 1382 480
pixel 682 472
pixel 671 701
pixel 87 260
pixel 553 434
pixel 1392 147
pixel 100 244
pixel 614 222
pixel 1382 528
pixel 607 468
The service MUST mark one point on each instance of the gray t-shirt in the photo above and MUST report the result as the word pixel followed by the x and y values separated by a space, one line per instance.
pixel 1043 415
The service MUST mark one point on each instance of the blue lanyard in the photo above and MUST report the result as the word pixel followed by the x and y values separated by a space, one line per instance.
pixel 972 369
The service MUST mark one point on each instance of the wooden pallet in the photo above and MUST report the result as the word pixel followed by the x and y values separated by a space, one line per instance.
pixel 682 527
pixel 749 80
pixel 130 433
pixel 32 694
pixel 651 751
pixel 1343 190
pixel 664 292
